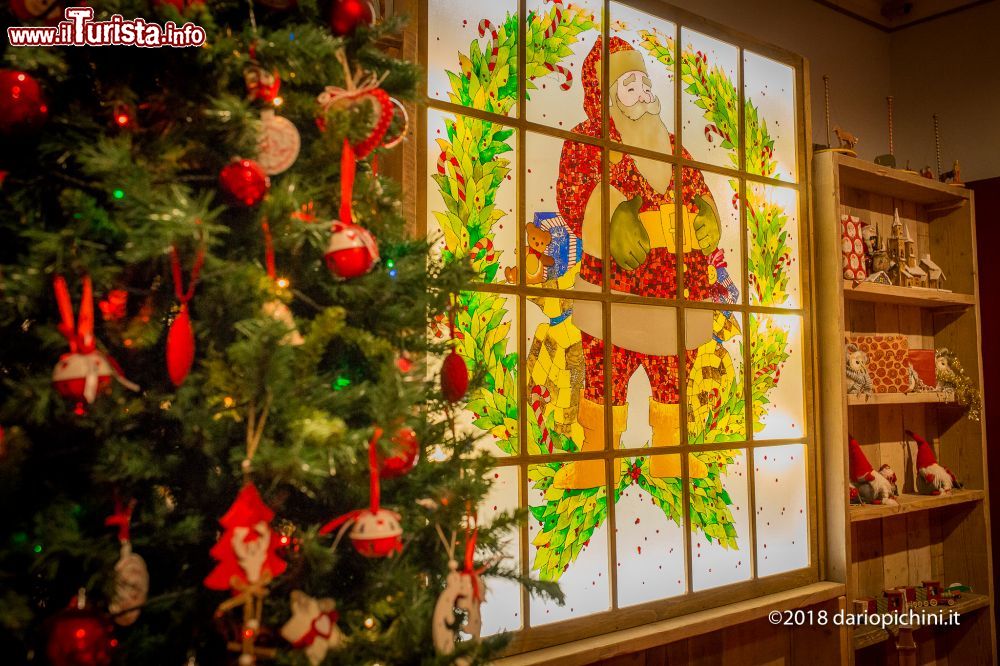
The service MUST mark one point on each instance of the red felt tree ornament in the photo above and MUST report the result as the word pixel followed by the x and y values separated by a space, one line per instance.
pixel 247 550
pixel 180 336
pixel 346 16
pixel 352 250
pixel 22 104
pixel 85 371
pixel 79 636
pixel 454 372
pixel 404 448
pixel 245 182
pixel 375 532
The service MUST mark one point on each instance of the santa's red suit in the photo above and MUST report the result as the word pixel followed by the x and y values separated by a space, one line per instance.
pixel 641 336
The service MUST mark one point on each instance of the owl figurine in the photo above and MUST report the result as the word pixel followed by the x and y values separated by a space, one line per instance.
pixel 859 381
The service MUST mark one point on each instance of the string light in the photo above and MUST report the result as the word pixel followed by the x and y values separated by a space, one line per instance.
pixel 122 119
pixel 118 194
pixel 369 622
pixel 282 283
pixel 340 383
pixel 278 101
pixel 228 402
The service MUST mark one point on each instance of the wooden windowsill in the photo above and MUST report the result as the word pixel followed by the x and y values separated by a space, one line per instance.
pixel 651 635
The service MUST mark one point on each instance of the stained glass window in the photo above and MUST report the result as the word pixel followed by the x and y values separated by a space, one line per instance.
pixel 639 316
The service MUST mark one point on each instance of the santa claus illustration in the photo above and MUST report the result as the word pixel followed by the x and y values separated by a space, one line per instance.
pixel 642 261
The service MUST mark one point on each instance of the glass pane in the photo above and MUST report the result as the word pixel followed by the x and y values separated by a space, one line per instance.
pixel 720 518
pixel 472 192
pixel 569 537
pixel 472 54
pixel 641 215
pixel 782 519
pixel 644 391
pixel 563 198
pixel 641 97
pixel 556 377
pixel 712 231
pixel 777 381
pixel 769 87
pixel 709 104
pixel 562 52
pixel 502 609
pixel 773 246
pixel 648 536
pixel 716 403
pixel 486 328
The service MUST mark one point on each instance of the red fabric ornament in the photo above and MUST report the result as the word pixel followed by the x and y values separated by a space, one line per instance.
pixel 347 15
pixel 261 84
pixel 454 377
pixel 79 637
pixel 352 250
pixel 180 337
pixel 245 182
pixel 404 449
pixel 375 532
pixel 29 10
pixel 22 105
pixel 85 371
pixel 247 549
pixel 113 308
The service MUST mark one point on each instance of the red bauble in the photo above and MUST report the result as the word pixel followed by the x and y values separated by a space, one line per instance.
pixel 454 377
pixel 180 347
pixel 79 637
pixel 81 377
pixel 22 105
pixel 404 449
pixel 352 250
pixel 377 534
pixel 245 182
pixel 347 15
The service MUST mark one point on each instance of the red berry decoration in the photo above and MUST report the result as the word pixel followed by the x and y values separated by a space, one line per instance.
pixel 454 377
pixel 347 15
pixel 404 449
pixel 79 637
pixel 22 105
pixel 245 182
pixel 352 250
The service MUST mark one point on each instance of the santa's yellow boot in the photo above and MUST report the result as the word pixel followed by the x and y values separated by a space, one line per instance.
pixel 590 473
pixel 665 420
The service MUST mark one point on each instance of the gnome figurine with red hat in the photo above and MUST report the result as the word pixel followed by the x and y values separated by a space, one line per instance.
pixel 874 487
pixel 932 478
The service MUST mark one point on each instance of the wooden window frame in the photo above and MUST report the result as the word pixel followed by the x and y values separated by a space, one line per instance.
pixel 415 175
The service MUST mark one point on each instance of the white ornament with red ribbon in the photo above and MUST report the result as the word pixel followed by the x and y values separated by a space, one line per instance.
pixel 458 606
pixel 312 627
pixel 131 575
pixel 375 531
pixel 85 370
pixel 278 143
pixel 352 250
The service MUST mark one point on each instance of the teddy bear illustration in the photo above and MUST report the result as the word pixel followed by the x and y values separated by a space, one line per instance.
pixel 551 250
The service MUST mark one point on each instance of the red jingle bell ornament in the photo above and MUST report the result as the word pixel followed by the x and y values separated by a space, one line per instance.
pixel 404 449
pixel 79 636
pixel 346 16
pixel 352 250
pixel 85 371
pixel 375 532
pixel 245 182
pixel 22 105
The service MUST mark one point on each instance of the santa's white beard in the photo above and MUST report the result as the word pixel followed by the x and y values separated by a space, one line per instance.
pixel 937 476
pixel 881 486
pixel 641 125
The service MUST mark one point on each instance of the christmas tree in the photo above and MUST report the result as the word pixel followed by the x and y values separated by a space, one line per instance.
pixel 199 242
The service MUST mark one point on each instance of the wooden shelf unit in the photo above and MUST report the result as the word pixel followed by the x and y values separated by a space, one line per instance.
pixel 865 637
pixel 873 548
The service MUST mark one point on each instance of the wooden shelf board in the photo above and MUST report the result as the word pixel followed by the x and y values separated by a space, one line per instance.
pixel 912 296
pixel 895 183
pixel 868 636
pixel 922 397
pixel 911 503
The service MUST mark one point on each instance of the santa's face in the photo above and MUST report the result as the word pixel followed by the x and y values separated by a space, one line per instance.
pixel 633 95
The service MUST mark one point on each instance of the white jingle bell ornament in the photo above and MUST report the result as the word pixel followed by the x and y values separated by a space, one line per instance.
pixel 84 371
pixel 278 143
pixel 312 627
pixel 352 250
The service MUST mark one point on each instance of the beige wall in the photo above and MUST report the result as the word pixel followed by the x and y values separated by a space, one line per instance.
pixel 950 66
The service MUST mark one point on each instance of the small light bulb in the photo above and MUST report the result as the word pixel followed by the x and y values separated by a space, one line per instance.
pixel 228 402
pixel 122 119
pixel 369 622
pixel 278 101
pixel 282 283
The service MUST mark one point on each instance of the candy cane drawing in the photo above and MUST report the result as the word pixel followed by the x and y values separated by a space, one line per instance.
pixel 484 244
pixel 540 397
pixel 486 26
pixel 444 160
pixel 556 18
pixel 567 75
